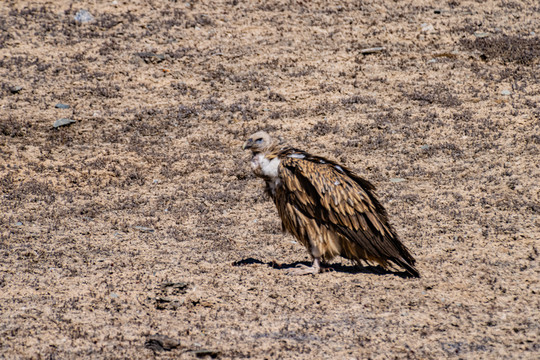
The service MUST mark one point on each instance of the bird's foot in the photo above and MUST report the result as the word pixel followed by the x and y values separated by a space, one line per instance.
pixel 302 269
pixel 327 268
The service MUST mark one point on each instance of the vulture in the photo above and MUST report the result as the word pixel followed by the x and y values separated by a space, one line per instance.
pixel 328 208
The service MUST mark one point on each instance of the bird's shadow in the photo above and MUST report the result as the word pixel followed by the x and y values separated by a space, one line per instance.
pixel 348 269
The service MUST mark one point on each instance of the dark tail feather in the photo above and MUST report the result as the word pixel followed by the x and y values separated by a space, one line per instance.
pixel 411 270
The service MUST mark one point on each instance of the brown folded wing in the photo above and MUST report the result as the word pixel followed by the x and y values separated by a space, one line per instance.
pixel 340 206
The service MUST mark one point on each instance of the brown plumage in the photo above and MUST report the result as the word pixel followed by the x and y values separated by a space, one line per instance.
pixel 328 208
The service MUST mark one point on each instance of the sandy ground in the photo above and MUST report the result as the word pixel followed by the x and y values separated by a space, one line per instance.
pixel 143 217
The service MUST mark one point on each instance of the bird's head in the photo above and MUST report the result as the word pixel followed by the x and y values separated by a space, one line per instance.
pixel 258 142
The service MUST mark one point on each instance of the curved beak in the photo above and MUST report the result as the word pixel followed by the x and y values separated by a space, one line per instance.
pixel 248 144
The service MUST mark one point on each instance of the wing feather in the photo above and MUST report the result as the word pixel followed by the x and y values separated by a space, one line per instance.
pixel 342 201
pixel 355 222
pixel 332 195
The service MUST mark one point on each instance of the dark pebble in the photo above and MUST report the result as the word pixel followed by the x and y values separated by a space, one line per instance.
pixel 61 106
pixel 63 122
pixel 205 352
pixel 174 285
pixel 150 57
pixel 16 89
pixel 160 342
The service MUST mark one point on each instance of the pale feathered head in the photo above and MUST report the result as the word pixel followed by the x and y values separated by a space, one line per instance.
pixel 259 142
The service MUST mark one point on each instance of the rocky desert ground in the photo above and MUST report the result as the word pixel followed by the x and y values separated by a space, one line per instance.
pixel 132 227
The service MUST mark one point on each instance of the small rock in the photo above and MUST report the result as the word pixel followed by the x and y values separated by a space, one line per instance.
pixel 15 89
pixel 174 285
pixel 150 57
pixel 61 106
pixel 206 303
pixel 144 229
pixel 163 299
pixel 425 27
pixel 397 180
pixel 506 92
pixel 424 147
pixel 63 122
pixel 372 50
pixel 83 16
pixel 160 342
pixel 113 295
pixel 206 352
pixel 18 223
pixel 481 34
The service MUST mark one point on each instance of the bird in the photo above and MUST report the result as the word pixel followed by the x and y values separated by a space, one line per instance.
pixel 326 207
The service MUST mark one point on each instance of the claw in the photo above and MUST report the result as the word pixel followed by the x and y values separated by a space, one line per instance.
pixel 302 269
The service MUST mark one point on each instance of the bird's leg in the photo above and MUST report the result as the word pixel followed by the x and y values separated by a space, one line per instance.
pixel 302 269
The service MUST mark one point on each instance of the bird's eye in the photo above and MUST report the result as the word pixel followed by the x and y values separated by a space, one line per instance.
pixel 258 141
